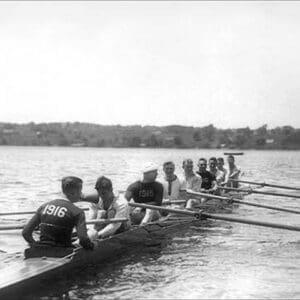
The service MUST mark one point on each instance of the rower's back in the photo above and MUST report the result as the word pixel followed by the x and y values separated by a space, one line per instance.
pixel 58 218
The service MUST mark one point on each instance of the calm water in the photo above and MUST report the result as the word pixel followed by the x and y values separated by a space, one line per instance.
pixel 221 260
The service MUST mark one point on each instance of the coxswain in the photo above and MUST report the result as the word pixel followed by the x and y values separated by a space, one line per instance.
pixel 233 173
pixel 57 219
pixel 107 205
pixel 146 191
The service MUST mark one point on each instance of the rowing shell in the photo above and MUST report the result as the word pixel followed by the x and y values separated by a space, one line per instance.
pixel 30 274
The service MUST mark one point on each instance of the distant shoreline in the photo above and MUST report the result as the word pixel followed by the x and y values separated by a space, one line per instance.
pixel 165 137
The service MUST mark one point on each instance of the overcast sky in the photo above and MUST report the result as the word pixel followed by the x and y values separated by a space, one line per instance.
pixel 231 64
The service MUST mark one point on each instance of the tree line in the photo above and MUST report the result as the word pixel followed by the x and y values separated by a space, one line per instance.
pixel 173 136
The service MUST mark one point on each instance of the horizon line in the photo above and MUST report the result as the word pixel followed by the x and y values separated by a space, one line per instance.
pixel 147 125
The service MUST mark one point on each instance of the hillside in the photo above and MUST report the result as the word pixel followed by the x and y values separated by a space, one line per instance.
pixel 173 136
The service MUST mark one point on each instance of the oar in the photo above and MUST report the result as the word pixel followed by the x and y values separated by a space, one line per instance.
pixel 18 213
pixel 268 184
pixel 174 202
pixel 99 221
pixel 234 200
pixel 217 217
pixel 251 191
pixel 29 212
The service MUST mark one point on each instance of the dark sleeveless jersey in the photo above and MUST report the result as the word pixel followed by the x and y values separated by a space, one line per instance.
pixel 207 179
pixel 145 192
pixel 57 220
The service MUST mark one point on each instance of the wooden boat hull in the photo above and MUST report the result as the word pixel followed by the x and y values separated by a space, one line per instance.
pixel 33 273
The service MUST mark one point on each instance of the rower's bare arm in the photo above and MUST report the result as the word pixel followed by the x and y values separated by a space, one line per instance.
pixel 122 212
pixel 183 194
pixel 84 240
pixel 92 198
pixel 128 195
pixel 148 216
pixel 214 186
pixel 29 228
pixel 235 173
pixel 158 198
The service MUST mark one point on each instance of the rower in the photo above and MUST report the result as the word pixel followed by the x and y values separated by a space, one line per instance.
pixel 148 191
pixel 220 165
pixel 191 180
pixel 220 175
pixel 233 173
pixel 209 183
pixel 171 183
pixel 57 219
pixel 107 205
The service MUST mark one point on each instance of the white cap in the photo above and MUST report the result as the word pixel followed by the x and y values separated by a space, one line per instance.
pixel 150 167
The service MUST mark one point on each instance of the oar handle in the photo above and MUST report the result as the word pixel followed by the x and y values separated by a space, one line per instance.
pixel 106 221
pixel 166 202
pixel 166 209
pixel 206 195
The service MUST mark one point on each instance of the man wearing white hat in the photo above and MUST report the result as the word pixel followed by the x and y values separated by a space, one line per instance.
pixel 147 191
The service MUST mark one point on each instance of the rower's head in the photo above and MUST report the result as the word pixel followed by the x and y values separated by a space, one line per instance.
pixel 220 162
pixel 103 186
pixel 230 159
pixel 212 163
pixel 169 168
pixel 202 164
pixel 150 172
pixel 72 187
pixel 188 165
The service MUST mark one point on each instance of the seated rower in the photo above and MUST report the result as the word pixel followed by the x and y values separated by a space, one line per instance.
pixel 220 165
pixel 233 173
pixel 107 205
pixel 219 175
pixel 57 219
pixel 147 191
pixel 172 185
pixel 209 182
pixel 208 185
pixel 191 180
